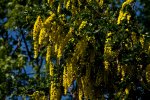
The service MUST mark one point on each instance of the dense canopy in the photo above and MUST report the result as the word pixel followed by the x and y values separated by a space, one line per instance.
pixel 74 49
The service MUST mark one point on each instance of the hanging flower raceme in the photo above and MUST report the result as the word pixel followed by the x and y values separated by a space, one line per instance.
pixel 107 48
pixel 80 49
pixel 108 53
pixel 65 79
pixel 36 28
pixel 122 73
pixel 82 25
pixel 59 52
pixel 68 74
pixel 54 90
pixel 86 84
pixel 51 2
pixel 142 40
pixel 48 54
pixel 42 35
pixel 38 95
pixel 100 2
pixel 127 2
pixel 49 19
pixel 68 4
pixel 36 32
pixel 59 8
pixel 106 64
pixel 124 14
pixel 66 38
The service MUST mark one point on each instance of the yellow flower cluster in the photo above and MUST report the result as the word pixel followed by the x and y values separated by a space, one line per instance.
pixel 123 94
pixel 107 48
pixel 134 37
pixel 80 94
pixel 107 53
pixel 84 82
pixel 70 72
pixel 55 93
pixel 82 25
pixel 65 79
pixel 67 75
pixel 60 41
pixel 123 74
pixel 40 32
pixel 87 87
pixel 123 70
pixel 51 31
pixel 68 4
pixel 42 35
pixel 106 64
pixel 68 69
pixel 52 91
pixel 128 18
pixel 67 37
pixel 50 2
pixel 100 2
pixel 80 48
pixel 127 91
pixel 48 54
pixel 56 47
pixel 49 19
pixel 36 31
pixel 38 95
pixel 59 8
pixel 124 15
pixel 51 69
pixel 127 2
pixel 36 28
pixel 62 18
pixel 74 10
pixel 59 52
pixel 69 33
pixel 142 40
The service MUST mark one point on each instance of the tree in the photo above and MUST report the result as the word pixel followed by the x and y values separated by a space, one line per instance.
pixel 11 62
pixel 101 45
pixel 16 54
pixel 98 42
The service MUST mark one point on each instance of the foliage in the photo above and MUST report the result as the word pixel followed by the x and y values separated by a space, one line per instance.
pixel 38 95
pixel 102 44
pixel 16 19
pixel 86 42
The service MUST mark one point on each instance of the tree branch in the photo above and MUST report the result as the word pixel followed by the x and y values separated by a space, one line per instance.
pixel 23 37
